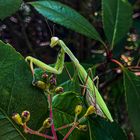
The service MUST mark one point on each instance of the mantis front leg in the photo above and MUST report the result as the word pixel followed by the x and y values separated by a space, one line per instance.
pixel 58 66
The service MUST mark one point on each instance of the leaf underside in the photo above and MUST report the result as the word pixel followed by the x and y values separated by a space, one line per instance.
pixel 66 16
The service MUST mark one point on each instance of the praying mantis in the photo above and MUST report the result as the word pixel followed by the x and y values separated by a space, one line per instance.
pixel 93 96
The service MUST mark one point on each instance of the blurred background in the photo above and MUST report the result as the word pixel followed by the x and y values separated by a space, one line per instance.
pixel 30 34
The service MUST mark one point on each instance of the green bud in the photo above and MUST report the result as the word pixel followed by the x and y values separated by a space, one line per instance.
pixel 78 109
pixel 16 117
pixel 59 90
pixel 83 127
pixel 47 123
pixel 40 84
pixel 90 111
pixel 26 116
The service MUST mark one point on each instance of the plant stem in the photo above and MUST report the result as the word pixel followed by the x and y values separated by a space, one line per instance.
pixel 105 47
pixel 63 127
pixel 70 131
pixel 30 131
pixel 41 129
pixel 118 63
pixel 51 117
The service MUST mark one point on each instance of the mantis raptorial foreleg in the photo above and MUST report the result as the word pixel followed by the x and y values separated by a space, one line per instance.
pixel 58 66
pixel 82 74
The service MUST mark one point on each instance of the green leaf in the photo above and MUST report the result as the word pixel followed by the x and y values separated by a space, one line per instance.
pixel 17 94
pixel 117 19
pixel 8 7
pixel 72 85
pixel 98 128
pixel 66 16
pixel 104 130
pixel 63 111
pixel 132 91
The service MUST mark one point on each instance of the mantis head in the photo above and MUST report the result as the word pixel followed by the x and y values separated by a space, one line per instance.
pixel 54 41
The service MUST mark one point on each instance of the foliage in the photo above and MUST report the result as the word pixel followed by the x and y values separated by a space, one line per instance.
pixel 132 91
pixel 18 94
pixel 66 16
pixel 116 15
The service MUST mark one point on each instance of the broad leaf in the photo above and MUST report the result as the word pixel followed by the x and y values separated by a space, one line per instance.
pixel 17 94
pixel 104 130
pixel 64 106
pixel 72 85
pixel 132 91
pixel 8 7
pixel 64 15
pixel 98 128
pixel 117 19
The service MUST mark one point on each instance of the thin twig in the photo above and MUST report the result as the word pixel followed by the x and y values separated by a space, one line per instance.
pixel 117 62
pixel 30 131
pixel 51 117
pixel 63 127
pixel 70 131
pixel 67 72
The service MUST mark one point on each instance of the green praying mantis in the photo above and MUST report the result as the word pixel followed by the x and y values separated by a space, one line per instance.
pixel 93 96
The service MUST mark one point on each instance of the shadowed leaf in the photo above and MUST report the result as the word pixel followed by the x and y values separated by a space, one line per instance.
pixel 66 16
pixel 17 94
pixel 117 19
pixel 132 91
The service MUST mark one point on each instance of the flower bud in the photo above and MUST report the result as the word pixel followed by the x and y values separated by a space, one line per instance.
pixel 40 84
pixel 90 111
pixel 53 80
pixel 47 123
pixel 26 116
pixel 59 90
pixel 45 75
pixel 16 117
pixel 78 109
pixel 82 127
pixel 54 41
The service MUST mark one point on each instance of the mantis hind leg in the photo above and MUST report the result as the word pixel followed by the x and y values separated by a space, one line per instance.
pixel 88 94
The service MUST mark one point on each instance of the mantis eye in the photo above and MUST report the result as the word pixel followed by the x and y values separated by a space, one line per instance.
pixel 54 41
